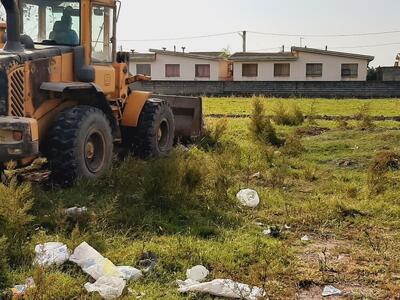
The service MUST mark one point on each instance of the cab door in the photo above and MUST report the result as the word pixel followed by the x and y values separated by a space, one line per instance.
pixel 102 46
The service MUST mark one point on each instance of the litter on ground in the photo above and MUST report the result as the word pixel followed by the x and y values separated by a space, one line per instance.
pixel 75 211
pixel 305 238
pixel 256 175
pixel 248 197
pixel 330 290
pixel 20 289
pixel 108 287
pixel 130 273
pixel 267 231
pixel 51 253
pixel 222 288
pixel 93 263
pixel 197 273
pixel 148 261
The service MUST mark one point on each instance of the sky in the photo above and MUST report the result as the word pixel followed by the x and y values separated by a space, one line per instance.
pixel 173 19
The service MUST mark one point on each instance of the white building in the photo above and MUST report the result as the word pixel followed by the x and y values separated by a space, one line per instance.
pixel 174 65
pixel 301 64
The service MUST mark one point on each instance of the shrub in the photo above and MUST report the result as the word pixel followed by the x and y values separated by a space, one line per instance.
pixel 4 266
pixel 15 203
pixel 292 116
pixel 364 117
pixel 293 145
pixel 382 163
pixel 213 135
pixel 261 126
pixel 312 115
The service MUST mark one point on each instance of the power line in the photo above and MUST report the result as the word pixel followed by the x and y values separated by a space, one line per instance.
pixel 365 46
pixel 325 35
pixel 182 38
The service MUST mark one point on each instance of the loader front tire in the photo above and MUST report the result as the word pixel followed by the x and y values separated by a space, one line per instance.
pixel 79 145
pixel 154 136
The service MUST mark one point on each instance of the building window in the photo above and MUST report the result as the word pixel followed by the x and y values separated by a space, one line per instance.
pixel 172 70
pixel 349 70
pixel 314 70
pixel 202 71
pixel 249 70
pixel 143 69
pixel 281 70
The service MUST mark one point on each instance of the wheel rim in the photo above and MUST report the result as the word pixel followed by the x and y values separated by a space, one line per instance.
pixel 94 151
pixel 163 134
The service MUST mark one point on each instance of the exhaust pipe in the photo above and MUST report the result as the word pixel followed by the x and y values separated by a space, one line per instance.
pixel 13 43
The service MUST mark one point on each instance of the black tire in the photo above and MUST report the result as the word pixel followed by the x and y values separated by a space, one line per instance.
pixel 79 145
pixel 154 136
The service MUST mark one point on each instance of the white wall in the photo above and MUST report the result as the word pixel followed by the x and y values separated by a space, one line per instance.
pixel 331 69
pixel 187 68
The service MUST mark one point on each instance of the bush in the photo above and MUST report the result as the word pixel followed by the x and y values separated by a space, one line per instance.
pixel 382 163
pixel 15 203
pixel 261 126
pixel 292 116
pixel 4 266
pixel 364 117
pixel 312 115
pixel 213 135
pixel 293 145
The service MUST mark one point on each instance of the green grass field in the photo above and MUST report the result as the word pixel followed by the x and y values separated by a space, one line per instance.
pixel 184 209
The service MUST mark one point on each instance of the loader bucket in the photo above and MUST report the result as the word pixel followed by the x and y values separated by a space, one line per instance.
pixel 188 113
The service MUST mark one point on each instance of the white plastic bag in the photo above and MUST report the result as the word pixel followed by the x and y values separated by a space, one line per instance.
pixel 222 288
pixel 93 263
pixel 248 198
pixel 75 211
pixel 197 273
pixel 130 273
pixel 330 290
pixel 107 286
pixel 20 289
pixel 51 253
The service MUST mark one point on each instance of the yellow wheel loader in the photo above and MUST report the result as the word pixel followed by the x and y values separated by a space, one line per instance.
pixel 64 91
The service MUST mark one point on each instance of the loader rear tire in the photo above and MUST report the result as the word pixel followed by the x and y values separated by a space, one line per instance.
pixel 154 136
pixel 79 145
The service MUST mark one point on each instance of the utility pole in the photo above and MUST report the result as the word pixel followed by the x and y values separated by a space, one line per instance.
pixel 244 37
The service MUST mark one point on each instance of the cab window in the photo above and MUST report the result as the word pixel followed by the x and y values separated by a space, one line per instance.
pixel 51 22
pixel 102 34
pixel 2 13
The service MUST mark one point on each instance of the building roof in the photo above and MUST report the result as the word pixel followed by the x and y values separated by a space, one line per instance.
pixel 209 53
pixel 255 57
pixel 333 53
pixel 142 57
pixel 186 54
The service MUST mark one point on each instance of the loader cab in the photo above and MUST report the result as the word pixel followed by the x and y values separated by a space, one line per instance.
pixel 70 23
pixel 91 24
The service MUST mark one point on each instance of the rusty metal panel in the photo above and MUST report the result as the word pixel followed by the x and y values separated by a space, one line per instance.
pixel 188 113
pixel 39 73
